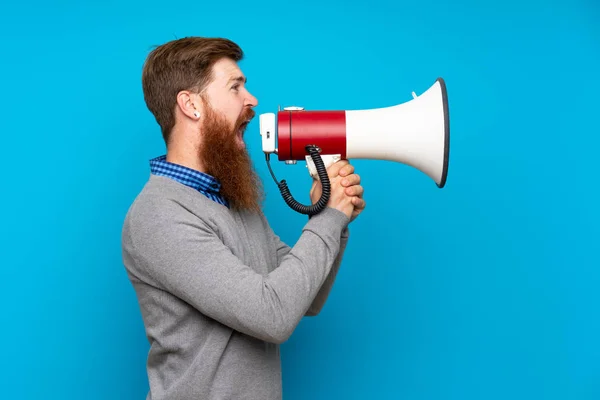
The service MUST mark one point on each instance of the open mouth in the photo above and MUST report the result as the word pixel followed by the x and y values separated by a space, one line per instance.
pixel 241 131
pixel 243 126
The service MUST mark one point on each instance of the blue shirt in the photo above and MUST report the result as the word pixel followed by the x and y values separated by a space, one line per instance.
pixel 204 183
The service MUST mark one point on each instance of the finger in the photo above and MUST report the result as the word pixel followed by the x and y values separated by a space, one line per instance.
pixel 351 180
pixel 359 203
pixel 355 191
pixel 346 170
pixel 334 169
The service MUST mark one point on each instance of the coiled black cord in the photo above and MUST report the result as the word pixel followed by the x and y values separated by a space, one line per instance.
pixel 322 171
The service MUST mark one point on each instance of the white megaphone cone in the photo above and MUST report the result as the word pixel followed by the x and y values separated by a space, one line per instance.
pixel 415 133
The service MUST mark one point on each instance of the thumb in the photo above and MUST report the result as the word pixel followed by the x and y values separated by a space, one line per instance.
pixel 315 183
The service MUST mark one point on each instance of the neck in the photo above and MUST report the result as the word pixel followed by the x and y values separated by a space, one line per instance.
pixel 185 154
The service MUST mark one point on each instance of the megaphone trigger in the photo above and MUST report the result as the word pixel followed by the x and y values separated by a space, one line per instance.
pixel 328 160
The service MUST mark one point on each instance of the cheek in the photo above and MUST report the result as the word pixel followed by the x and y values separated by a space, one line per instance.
pixel 233 113
pixel 228 106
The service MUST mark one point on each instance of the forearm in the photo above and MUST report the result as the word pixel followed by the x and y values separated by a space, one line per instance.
pixel 297 292
pixel 323 294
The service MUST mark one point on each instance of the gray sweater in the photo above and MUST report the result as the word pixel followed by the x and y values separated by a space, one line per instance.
pixel 219 291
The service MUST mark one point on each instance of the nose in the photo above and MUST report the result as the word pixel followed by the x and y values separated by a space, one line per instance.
pixel 251 100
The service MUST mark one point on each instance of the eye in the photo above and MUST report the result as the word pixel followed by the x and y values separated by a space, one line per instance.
pixel 236 87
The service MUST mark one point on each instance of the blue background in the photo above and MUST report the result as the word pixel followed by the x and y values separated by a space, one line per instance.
pixel 486 289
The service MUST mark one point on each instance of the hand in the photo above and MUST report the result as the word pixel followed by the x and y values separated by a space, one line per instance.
pixel 351 182
pixel 346 186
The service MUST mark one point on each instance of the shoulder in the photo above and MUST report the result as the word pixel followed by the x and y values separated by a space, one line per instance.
pixel 161 205
pixel 156 199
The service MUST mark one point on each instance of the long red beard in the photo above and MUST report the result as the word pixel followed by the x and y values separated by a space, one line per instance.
pixel 224 159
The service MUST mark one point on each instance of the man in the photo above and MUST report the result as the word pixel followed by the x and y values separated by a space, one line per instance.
pixel 217 289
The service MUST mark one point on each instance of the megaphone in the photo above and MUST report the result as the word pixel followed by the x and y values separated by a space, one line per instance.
pixel 414 133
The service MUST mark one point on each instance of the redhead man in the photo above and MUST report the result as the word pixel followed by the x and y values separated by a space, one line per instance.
pixel 218 290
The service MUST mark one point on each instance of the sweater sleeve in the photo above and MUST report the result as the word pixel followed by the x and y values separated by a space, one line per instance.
pixel 189 260
pixel 321 297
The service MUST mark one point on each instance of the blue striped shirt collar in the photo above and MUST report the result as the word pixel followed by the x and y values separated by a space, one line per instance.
pixel 204 183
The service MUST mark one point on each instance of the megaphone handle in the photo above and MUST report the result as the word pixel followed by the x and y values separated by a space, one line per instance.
pixel 328 160
pixel 322 171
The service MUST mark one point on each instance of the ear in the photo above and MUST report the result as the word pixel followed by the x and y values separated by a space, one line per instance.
pixel 189 104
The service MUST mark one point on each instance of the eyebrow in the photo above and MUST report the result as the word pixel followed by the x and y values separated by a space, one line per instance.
pixel 237 79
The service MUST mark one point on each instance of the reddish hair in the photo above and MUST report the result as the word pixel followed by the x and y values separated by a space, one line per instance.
pixel 182 64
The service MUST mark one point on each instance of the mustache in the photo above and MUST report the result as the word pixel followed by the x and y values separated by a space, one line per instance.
pixel 247 115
